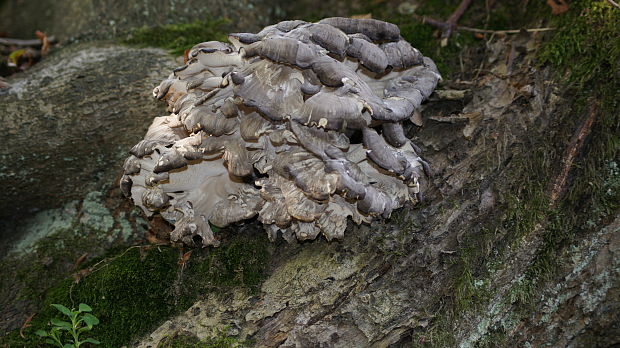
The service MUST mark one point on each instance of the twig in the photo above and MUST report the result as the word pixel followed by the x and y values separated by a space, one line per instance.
pixel 449 25
pixel 24 43
pixel 501 32
pixel 456 15
pixel 573 149
pixel 614 3
pixel 440 24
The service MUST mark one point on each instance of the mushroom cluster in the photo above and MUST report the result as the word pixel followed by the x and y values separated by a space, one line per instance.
pixel 300 124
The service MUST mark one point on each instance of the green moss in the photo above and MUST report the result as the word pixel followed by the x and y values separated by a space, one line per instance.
pixel 129 295
pixel 179 37
pixel 585 53
pixel 439 332
pixel 587 44
pixel 186 340
pixel 239 263
pixel 134 290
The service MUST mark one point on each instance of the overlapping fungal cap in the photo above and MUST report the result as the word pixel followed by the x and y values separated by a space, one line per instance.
pixel 300 124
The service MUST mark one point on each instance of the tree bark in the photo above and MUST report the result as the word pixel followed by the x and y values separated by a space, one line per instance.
pixel 69 121
pixel 417 279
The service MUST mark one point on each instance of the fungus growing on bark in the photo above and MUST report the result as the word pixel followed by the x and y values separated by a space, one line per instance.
pixel 300 124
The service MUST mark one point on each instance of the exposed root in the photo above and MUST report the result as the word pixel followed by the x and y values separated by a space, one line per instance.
pixel 574 148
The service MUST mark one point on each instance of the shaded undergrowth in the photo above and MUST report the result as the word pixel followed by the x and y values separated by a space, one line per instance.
pixel 133 290
pixel 584 52
pixel 177 38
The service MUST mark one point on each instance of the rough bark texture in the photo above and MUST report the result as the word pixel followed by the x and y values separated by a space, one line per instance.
pixel 69 120
pixel 108 18
pixel 450 272
pixel 389 284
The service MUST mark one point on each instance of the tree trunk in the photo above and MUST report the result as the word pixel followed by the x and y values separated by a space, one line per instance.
pixel 457 270
pixel 508 249
pixel 70 120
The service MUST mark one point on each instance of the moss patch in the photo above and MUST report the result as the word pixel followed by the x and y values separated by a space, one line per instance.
pixel 585 53
pixel 133 290
pixel 187 340
pixel 179 37
pixel 240 263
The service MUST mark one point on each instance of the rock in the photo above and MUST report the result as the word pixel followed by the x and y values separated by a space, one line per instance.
pixel 108 18
pixel 68 122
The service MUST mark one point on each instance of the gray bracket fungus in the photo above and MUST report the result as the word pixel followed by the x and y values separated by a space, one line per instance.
pixel 300 124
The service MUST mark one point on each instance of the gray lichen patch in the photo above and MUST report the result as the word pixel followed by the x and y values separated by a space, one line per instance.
pixel 89 219
pixel 586 296
pixel 95 214
pixel 54 243
pixel 44 224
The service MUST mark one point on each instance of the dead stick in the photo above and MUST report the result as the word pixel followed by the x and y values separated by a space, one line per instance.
pixel 440 24
pixel 449 25
pixel 24 43
pixel 510 31
pixel 454 18
pixel 574 148
pixel 614 3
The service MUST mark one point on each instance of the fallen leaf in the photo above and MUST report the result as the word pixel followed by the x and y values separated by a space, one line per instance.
pixel 77 276
pixel 79 261
pixel 22 58
pixel 183 260
pixel 185 56
pixel 153 239
pixel 15 56
pixel 557 6
pixel 26 325
pixel 45 43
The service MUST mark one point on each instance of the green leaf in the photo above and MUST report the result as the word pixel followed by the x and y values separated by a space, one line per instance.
pixel 14 57
pixel 50 341
pixel 63 309
pixel 91 340
pixel 61 324
pixel 68 345
pixel 41 333
pixel 90 319
pixel 85 308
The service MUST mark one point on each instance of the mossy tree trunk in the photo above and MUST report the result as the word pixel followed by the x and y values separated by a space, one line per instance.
pixel 510 249
pixel 517 243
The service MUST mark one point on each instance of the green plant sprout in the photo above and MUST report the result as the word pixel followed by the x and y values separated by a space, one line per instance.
pixel 76 327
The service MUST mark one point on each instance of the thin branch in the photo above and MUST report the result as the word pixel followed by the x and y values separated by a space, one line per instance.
pixel 614 3
pixel 572 151
pixel 501 32
pixel 449 25
pixel 441 25
pixel 24 43
pixel 454 18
